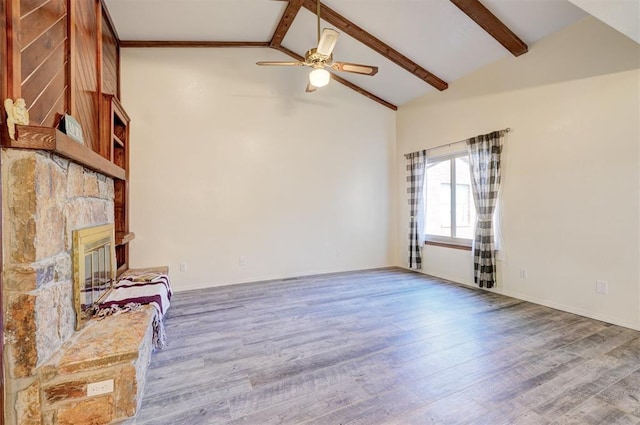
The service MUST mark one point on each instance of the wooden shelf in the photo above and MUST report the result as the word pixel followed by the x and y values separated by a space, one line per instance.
pixel 114 142
pixel 53 140
pixel 117 140
pixel 118 110
pixel 124 238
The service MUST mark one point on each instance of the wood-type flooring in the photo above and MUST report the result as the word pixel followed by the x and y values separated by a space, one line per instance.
pixel 385 346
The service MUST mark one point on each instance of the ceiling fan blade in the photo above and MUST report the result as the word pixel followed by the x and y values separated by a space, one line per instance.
pixel 355 68
pixel 310 88
pixel 327 41
pixel 280 63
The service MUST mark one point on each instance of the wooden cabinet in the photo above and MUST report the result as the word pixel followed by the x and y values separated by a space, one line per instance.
pixel 115 147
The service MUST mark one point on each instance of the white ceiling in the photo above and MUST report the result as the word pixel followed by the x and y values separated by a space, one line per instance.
pixel 624 16
pixel 433 33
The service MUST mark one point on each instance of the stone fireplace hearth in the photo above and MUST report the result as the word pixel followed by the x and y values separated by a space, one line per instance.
pixel 45 198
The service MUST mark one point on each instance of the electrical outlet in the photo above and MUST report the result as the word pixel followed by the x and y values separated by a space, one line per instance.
pixel 183 267
pixel 242 261
pixel 602 287
pixel 102 387
pixel 523 273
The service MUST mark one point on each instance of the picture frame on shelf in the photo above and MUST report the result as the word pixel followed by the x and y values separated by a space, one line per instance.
pixel 72 128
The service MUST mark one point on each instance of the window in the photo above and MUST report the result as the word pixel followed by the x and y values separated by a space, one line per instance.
pixel 450 210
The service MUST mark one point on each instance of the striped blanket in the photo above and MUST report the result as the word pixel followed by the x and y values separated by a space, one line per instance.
pixel 138 287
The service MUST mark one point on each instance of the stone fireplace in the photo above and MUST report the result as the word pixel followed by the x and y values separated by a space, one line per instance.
pixel 45 198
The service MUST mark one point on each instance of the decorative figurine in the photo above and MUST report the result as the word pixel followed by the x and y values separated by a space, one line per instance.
pixel 17 113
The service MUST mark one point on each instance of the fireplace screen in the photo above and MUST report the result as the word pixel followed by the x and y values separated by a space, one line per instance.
pixel 94 269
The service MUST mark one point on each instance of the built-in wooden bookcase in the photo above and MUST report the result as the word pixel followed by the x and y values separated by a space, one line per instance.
pixel 115 145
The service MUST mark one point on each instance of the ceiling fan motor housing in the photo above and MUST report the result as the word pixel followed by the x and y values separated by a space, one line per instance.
pixel 315 59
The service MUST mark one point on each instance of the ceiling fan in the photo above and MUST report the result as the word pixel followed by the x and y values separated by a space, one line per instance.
pixel 320 57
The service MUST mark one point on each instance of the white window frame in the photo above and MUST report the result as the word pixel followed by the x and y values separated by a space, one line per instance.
pixel 449 240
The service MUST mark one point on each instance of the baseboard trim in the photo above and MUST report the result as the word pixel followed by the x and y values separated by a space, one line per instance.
pixel 544 302
pixel 275 278
pixel 574 310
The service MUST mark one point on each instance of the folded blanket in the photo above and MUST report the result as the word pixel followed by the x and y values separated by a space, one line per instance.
pixel 138 287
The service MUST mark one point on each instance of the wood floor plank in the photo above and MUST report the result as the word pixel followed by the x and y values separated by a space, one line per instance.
pixel 563 393
pixel 200 412
pixel 385 346
pixel 629 351
pixel 306 407
pixel 507 385
pixel 456 409
pixel 602 342
pixel 461 377
pixel 508 413
pixel 373 411
pixel 624 394
pixel 302 385
pixel 596 412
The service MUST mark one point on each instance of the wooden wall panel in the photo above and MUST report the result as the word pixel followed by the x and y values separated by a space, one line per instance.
pixel 42 41
pixel 28 6
pixel 56 64
pixel 48 99
pixel 37 52
pixel 32 25
pixel 33 88
pixel 85 85
pixel 59 108
pixel 109 59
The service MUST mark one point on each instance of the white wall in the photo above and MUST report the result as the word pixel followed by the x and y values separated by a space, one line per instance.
pixel 571 183
pixel 239 174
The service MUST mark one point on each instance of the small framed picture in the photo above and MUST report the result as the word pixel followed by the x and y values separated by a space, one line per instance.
pixel 72 128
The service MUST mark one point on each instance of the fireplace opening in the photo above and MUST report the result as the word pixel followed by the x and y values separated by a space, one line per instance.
pixel 94 269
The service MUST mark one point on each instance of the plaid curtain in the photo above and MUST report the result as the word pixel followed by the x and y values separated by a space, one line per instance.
pixel 416 165
pixel 484 164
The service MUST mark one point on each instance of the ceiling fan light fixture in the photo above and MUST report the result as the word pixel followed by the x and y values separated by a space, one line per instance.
pixel 319 77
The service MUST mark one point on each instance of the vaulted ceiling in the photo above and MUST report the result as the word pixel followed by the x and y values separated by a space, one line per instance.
pixel 419 45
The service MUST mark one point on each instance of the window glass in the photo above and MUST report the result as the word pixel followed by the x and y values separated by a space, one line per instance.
pixel 438 198
pixel 465 209
pixel 450 210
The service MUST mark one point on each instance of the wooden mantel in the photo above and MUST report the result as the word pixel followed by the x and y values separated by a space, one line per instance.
pixel 53 140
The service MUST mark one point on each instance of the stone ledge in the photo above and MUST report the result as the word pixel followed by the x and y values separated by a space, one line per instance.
pixel 100 343
pixel 117 347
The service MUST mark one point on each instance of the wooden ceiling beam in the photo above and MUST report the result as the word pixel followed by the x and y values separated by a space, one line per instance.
pixel 492 25
pixel 288 16
pixel 344 82
pixel 348 27
pixel 176 43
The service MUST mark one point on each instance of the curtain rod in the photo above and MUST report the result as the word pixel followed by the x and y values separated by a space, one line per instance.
pixel 506 130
